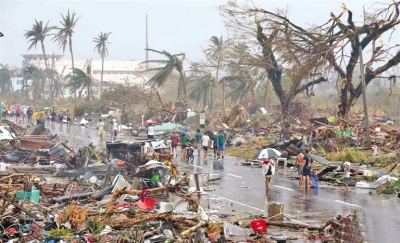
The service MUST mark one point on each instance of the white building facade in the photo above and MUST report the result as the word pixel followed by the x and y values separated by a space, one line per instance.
pixel 115 72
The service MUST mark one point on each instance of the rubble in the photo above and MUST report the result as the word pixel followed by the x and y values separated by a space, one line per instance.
pixel 128 192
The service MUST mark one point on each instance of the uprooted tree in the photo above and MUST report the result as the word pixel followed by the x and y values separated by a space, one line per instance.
pixel 285 47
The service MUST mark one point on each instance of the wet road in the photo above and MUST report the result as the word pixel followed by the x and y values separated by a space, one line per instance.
pixel 241 188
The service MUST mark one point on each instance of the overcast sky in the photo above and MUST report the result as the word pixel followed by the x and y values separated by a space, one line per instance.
pixel 174 26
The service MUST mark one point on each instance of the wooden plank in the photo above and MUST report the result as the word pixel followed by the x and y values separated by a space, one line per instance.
pixel 19 206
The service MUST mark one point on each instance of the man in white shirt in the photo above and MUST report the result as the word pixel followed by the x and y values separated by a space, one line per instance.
pixel 150 131
pixel 24 112
pixel 204 141
pixel 115 129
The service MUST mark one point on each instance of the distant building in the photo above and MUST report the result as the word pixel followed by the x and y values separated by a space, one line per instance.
pixel 119 72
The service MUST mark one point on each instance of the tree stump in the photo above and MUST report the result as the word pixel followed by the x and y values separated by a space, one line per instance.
pixel 275 211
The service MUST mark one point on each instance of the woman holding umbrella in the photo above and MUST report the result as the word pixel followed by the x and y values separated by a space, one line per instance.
pixel 268 170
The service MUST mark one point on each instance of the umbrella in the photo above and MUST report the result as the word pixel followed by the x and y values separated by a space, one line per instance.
pixel 150 121
pixel 267 153
pixel 38 114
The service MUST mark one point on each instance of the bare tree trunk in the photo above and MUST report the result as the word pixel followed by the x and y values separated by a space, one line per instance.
pixel 101 78
pixel 45 64
pixel 223 97
pixel 72 59
pixel 183 80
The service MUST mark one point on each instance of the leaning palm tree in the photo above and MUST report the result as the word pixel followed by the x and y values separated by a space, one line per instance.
pixel 64 34
pixel 101 47
pixel 37 34
pixel 79 80
pixel 161 74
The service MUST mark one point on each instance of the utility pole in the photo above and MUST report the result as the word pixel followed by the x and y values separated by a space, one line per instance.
pixel 367 132
pixel 147 44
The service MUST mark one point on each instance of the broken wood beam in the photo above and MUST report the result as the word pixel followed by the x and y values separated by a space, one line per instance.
pixel 19 206
pixel 293 225
pixel 128 223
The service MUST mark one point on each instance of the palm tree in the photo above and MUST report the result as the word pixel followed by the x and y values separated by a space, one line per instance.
pixel 174 62
pixel 64 34
pixel 101 47
pixel 79 80
pixel 5 79
pixel 202 82
pixel 32 73
pixel 37 34
pixel 58 87
pixel 215 53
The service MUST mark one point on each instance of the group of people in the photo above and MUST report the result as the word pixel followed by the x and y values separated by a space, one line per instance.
pixel 114 129
pixel 202 141
pixel 24 114
pixel 21 113
pixel 303 163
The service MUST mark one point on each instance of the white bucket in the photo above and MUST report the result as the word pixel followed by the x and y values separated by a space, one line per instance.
pixel 3 166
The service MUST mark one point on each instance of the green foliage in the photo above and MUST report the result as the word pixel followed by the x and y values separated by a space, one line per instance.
pixel 38 33
pixel 241 153
pixel 80 80
pixel 391 187
pixel 348 155
pixel 320 152
pixel 161 73
pixel 65 32
pixel 384 160
pixel 95 226
pixel 61 233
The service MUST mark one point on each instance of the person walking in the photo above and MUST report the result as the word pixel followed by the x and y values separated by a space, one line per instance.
pixel 24 113
pixel 100 127
pixel 53 117
pixel 184 144
pixel 307 169
pixel 69 120
pixel 61 117
pixel 115 129
pixel 150 131
pixel 18 114
pixel 221 144
pixel 205 140
pixel 29 114
pixel 268 170
pixel 215 144
pixel 174 143
pixel 300 165
pixel 198 137
pixel 6 107
pixel 346 168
